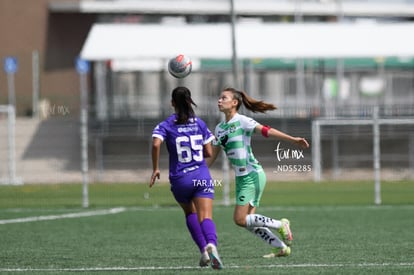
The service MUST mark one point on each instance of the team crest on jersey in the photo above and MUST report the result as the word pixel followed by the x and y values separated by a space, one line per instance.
pixel 232 129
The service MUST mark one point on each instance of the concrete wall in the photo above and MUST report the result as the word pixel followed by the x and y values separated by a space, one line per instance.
pixel 46 150
pixel 28 26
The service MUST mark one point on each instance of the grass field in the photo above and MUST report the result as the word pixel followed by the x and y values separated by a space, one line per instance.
pixel 130 229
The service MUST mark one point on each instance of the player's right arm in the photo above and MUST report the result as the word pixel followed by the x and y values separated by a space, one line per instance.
pixel 156 148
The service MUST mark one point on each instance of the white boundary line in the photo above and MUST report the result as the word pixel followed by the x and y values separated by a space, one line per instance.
pixel 148 268
pixel 65 216
pixel 218 206
pixel 286 208
pixel 149 208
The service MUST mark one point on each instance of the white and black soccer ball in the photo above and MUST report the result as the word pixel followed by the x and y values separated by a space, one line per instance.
pixel 180 66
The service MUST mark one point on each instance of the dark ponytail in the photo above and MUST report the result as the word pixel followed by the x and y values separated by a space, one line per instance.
pixel 249 102
pixel 181 97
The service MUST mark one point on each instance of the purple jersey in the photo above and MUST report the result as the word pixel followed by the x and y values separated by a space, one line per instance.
pixel 184 143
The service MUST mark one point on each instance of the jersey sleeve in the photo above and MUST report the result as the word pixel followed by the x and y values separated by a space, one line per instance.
pixel 248 123
pixel 159 131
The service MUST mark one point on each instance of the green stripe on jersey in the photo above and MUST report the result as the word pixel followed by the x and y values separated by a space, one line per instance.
pixel 234 145
pixel 235 137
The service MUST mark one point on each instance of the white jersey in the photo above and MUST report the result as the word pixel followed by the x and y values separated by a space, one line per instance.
pixel 235 137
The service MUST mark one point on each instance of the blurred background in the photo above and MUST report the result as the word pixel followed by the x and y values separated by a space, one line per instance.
pixel 40 140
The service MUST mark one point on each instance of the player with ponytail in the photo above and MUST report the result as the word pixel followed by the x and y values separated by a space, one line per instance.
pixel 188 141
pixel 233 135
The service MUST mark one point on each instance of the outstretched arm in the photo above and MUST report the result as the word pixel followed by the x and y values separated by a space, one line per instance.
pixel 274 133
pixel 156 148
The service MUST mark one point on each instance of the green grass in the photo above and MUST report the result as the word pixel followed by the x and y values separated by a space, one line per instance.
pixel 276 193
pixel 337 230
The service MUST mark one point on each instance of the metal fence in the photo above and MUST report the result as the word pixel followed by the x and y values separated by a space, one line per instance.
pixel 124 113
pixel 146 95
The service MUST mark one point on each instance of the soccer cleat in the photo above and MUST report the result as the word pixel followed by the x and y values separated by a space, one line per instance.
pixel 214 256
pixel 205 259
pixel 278 252
pixel 285 232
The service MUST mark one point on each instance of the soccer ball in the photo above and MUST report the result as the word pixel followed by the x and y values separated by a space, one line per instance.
pixel 180 66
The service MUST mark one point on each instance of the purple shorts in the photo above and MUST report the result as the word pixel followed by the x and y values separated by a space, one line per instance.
pixel 194 184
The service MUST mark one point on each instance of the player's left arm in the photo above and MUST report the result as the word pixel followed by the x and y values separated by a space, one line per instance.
pixel 207 150
pixel 215 151
pixel 268 131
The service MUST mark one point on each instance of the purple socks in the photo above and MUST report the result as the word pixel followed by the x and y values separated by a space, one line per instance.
pixel 209 230
pixel 195 230
pixel 201 233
